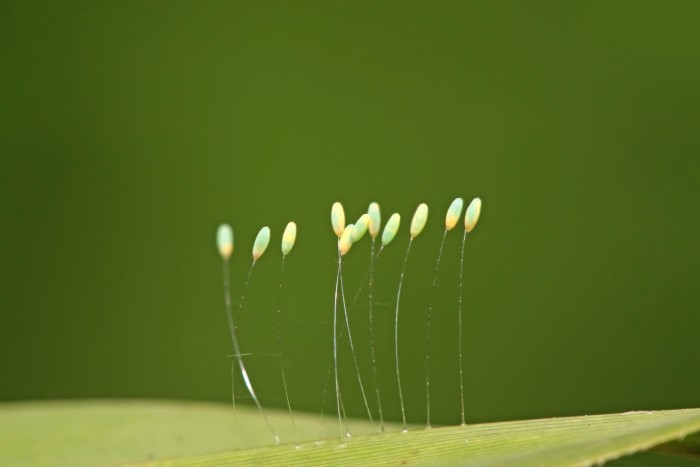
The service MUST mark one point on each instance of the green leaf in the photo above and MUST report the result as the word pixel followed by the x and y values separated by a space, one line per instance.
pixel 109 432
pixel 688 447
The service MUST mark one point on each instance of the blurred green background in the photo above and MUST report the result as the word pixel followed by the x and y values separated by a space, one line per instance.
pixel 129 130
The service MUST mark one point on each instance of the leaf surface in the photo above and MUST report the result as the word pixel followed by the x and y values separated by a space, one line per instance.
pixel 157 433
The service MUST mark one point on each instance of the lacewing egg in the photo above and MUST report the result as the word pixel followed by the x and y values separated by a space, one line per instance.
pixel 261 242
pixel 419 220
pixel 338 219
pixel 375 219
pixel 391 228
pixel 346 239
pixel 360 228
pixel 224 240
pixel 288 238
pixel 453 213
pixel 472 215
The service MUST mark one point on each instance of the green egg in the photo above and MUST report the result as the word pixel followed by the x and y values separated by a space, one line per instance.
pixel 261 242
pixel 391 228
pixel 419 220
pixel 345 242
pixel 338 219
pixel 453 213
pixel 375 219
pixel 224 240
pixel 360 228
pixel 472 215
pixel 288 238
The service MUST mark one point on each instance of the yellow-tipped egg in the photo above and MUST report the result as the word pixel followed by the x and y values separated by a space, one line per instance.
pixel 454 212
pixel 360 228
pixel 419 220
pixel 261 243
pixel 391 228
pixel 375 219
pixel 472 215
pixel 224 240
pixel 338 219
pixel 288 238
pixel 345 241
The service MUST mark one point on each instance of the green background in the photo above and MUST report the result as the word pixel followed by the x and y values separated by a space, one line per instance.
pixel 130 130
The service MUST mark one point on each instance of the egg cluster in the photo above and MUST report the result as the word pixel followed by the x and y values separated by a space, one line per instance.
pixel 348 235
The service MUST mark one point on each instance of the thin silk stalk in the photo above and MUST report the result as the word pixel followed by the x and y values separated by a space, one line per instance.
pixel 396 333
pixel 279 344
pixel 335 348
pixel 240 304
pixel 371 339
pixel 427 332
pixel 237 353
pixel 352 347
pixel 461 281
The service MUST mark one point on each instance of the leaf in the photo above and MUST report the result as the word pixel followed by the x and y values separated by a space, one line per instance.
pixel 688 447
pixel 557 441
pixel 108 432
